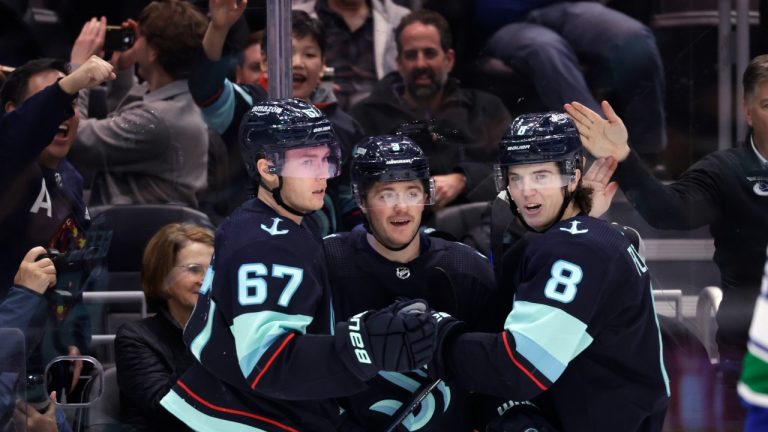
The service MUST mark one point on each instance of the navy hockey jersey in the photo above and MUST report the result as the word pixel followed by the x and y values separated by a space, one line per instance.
pixel 261 333
pixel 362 279
pixel 582 333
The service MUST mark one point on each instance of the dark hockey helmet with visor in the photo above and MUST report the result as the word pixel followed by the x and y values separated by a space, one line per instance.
pixel 538 138
pixel 273 128
pixel 389 158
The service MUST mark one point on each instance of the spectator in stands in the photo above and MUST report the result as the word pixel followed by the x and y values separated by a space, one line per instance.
pixel 727 190
pixel 43 193
pixel 31 282
pixel 423 90
pixel 150 353
pixel 546 39
pixel 224 103
pixel 153 147
pixel 250 65
pixel 359 35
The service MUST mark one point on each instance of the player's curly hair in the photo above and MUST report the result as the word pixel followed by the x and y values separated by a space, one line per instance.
pixel 582 198
pixel 175 29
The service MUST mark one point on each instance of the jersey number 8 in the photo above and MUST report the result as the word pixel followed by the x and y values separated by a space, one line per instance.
pixel 252 287
pixel 562 285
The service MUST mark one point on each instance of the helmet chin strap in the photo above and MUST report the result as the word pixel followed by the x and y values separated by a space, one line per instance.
pixel 367 225
pixel 279 199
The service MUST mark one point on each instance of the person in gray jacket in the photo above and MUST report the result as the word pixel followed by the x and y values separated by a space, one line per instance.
pixel 153 147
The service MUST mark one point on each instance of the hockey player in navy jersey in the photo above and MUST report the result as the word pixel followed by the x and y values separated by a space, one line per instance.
pixel 388 258
pixel 582 336
pixel 270 355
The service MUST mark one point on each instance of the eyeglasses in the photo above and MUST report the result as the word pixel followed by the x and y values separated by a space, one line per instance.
pixel 194 269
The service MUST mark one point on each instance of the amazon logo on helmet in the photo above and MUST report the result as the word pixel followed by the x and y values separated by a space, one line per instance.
pixel 273 127
pixel 388 158
pixel 537 138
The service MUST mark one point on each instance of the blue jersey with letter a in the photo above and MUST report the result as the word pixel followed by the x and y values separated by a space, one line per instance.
pixel 582 334
pixel 261 333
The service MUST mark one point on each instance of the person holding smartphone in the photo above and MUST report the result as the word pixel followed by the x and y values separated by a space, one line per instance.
pixel 152 147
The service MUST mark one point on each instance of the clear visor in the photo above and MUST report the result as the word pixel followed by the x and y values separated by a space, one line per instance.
pixel 529 178
pixel 412 196
pixel 310 162
pixel 537 180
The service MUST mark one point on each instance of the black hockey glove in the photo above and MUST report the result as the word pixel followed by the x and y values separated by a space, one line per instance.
pixel 522 417
pixel 447 328
pixel 398 338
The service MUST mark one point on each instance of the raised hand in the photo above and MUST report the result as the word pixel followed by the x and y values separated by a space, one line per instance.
pixel 225 13
pixel 598 177
pixel 93 72
pixel 89 42
pixel 601 137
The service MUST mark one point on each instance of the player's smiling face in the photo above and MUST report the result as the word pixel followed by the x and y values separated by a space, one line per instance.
pixel 537 190
pixel 394 210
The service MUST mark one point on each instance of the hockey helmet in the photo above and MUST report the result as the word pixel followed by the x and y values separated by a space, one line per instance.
pixel 272 128
pixel 537 138
pixel 388 158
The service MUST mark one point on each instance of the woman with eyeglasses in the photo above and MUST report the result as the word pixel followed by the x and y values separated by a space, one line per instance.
pixel 150 354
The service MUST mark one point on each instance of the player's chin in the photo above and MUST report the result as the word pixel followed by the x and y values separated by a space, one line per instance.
pixel 316 201
pixel 534 222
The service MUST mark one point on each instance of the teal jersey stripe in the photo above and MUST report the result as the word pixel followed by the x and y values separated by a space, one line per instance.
pixel 255 332
pixel 548 330
pixel 218 116
pixel 245 95
pixel 400 380
pixel 201 340
pixel 389 406
pixel 207 281
pixel 538 357
pixel 198 421
pixel 661 347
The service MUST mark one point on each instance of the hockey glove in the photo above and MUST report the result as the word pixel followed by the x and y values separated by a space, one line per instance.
pixel 399 338
pixel 522 417
pixel 447 328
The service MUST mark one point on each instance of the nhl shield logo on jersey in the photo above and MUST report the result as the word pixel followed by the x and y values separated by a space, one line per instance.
pixel 403 272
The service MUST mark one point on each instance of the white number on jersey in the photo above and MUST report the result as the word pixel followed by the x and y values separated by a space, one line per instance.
pixel 567 275
pixel 252 287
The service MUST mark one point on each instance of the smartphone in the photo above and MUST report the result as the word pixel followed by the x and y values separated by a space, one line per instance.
pixel 118 38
